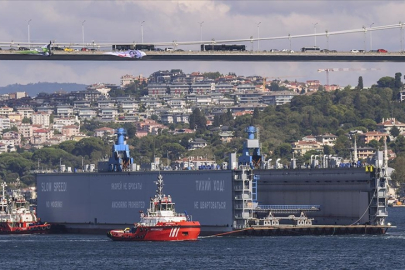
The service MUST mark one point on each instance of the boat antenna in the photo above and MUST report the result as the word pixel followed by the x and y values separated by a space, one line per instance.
pixel 159 185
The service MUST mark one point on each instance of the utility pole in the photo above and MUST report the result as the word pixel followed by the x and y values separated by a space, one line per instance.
pixel 29 38
pixel 258 35
pixel 315 24
pixel 371 37
pixel 83 31
pixel 201 23
pixel 142 31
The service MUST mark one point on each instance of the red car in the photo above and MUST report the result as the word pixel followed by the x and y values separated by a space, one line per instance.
pixel 382 51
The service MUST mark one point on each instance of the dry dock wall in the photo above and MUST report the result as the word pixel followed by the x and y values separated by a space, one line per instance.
pixel 342 193
pixel 117 198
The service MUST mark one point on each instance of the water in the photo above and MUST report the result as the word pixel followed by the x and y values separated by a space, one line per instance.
pixel 67 251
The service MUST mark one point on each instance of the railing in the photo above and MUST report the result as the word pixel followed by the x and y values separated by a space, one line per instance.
pixel 290 207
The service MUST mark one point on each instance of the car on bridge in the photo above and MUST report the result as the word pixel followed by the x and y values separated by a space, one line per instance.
pixel 354 51
pixel 382 51
pixel 67 49
pixel 287 51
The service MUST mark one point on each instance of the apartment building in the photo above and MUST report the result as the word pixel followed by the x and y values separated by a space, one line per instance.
pixel 41 118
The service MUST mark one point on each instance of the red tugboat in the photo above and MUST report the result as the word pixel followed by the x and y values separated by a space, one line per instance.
pixel 160 223
pixel 17 218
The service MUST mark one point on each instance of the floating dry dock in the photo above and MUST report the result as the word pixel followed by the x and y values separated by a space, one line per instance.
pixel 314 230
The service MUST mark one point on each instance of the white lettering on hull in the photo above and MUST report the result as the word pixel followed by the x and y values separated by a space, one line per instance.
pixel 210 185
pixel 128 204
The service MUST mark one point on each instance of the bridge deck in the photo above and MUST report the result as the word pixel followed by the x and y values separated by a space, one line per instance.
pixel 212 56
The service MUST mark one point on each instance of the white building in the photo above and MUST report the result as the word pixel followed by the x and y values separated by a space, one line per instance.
pixel 41 118
pixel 4 123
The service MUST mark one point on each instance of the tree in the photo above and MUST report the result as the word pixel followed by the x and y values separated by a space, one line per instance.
pixel 212 75
pixel 68 146
pixel 360 83
pixel 386 82
pixel 274 86
pixel 26 120
pixel 398 83
pixel 197 120
pixel 395 131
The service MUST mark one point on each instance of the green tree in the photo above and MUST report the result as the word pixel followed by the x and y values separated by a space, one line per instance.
pixel 212 75
pixel 26 120
pixel 395 131
pixel 398 83
pixel 68 146
pixel 386 82
pixel 360 83
pixel 274 86
pixel 197 120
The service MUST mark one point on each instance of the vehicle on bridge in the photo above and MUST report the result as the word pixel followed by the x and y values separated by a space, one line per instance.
pixel 382 51
pixel 311 49
pixel 44 50
pixel 223 47
pixel 126 47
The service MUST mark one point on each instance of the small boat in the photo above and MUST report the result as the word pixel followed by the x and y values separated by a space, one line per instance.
pixel 16 217
pixel 160 222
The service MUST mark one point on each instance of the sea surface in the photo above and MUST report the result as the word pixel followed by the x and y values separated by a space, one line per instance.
pixel 75 251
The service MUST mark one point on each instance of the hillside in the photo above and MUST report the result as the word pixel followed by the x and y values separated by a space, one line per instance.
pixel 33 89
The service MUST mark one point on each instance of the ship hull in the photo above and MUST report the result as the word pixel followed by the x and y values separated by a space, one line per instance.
pixel 187 231
pixel 22 228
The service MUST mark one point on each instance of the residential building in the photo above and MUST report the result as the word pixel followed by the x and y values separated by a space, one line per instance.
pixel 301 147
pixel 157 89
pixel 129 105
pixel 371 135
pixel 327 139
pixel 81 104
pixel 226 136
pixel 126 80
pixel 70 131
pixel 278 98
pixel 25 130
pixel 86 113
pixel 13 136
pixel 40 136
pixel 105 103
pixel 177 103
pixel 109 114
pixel 67 121
pixel 364 152
pixel 387 124
pixel 104 131
pixel 18 95
pixel 41 118
pixel 4 123
pixel 4 111
pixel 197 143
pixel 224 88
pixel 25 112
pixel 10 145
pixel 64 111
pixel 249 97
pixel 15 117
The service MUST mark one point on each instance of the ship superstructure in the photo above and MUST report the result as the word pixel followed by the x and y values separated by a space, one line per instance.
pixel 160 222
pixel 16 217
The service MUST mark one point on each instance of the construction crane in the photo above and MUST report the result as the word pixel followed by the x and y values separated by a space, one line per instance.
pixel 327 70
